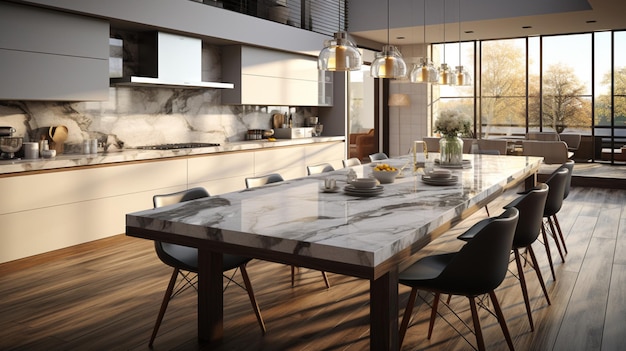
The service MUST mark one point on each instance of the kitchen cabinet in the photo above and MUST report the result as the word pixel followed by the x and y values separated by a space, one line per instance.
pixel 50 210
pixel 269 77
pixel 51 55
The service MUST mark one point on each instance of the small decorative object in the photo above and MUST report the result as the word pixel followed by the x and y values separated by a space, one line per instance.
pixel 451 124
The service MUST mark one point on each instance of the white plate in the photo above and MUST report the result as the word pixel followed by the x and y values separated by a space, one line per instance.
pixel 351 190
pixel 440 181
pixel 464 164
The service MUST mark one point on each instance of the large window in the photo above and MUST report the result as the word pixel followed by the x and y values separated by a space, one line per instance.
pixel 572 83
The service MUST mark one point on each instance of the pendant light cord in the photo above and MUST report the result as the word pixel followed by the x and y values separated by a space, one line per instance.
pixel 444 31
pixel 460 33
pixel 388 23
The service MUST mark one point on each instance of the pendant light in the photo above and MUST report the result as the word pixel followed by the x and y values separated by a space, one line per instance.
pixel 463 77
pixel 388 62
pixel 425 72
pixel 445 76
pixel 339 53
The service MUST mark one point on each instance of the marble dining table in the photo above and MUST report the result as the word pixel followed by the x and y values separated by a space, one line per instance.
pixel 296 222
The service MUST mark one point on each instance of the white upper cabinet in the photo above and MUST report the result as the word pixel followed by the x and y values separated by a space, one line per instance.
pixel 51 55
pixel 268 77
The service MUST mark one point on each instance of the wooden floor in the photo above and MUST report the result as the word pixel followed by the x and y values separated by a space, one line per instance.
pixel 105 296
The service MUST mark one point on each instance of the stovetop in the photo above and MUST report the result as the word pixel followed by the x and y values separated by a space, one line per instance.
pixel 176 146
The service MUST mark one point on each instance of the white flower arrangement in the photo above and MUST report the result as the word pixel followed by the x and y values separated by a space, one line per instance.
pixel 452 123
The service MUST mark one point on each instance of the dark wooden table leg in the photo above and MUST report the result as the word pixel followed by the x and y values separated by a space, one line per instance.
pixel 384 312
pixel 210 297
pixel 530 182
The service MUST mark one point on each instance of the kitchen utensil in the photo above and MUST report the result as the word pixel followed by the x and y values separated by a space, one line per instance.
pixel 31 150
pixel 311 121
pixel 278 120
pixel 364 183
pixel 10 145
pixel 6 131
pixel 268 133
pixel 58 135
pixel 385 177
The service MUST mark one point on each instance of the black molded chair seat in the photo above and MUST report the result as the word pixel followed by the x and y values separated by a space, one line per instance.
pixel 530 206
pixel 478 268
pixel 183 258
pixel 557 183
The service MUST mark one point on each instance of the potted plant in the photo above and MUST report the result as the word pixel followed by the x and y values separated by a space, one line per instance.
pixel 451 124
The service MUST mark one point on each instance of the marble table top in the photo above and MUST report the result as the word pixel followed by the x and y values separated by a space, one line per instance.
pixel 296 217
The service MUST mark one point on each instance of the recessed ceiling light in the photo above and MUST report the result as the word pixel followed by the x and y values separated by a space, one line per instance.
pixel 469 31
pixel 591 21
pixel 527 27
pixel 400 37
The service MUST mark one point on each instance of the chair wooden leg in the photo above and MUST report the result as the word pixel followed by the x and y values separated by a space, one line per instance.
pixel 477 330
pixel 547 246
pixel 326 281
pixel 433 314
pixel 505 329
pixel 487 210
pixel 558 228
pixel 538 271
pixel 555 236
pixel 522 280
pixel 255 305
pixel 407 314
pixel 166 301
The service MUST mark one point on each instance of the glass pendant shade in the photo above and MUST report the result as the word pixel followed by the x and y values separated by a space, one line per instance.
pixel 446 77
pixel 339 54
pixel 425 72
pixel 388 64
pixel 463 78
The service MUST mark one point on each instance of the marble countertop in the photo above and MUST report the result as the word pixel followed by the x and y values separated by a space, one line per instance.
pixel 127 155
pixel 297 217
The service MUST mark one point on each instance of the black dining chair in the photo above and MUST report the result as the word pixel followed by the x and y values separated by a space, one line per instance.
pixel 252 182
pixel 556 193
pixel 477 269
pixel 530 206
pixel 320 168
pixel 184 260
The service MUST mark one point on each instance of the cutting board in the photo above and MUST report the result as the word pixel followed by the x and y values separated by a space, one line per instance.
pixel 278 120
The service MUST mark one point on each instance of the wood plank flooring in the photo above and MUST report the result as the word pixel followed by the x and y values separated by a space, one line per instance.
pixel 105 295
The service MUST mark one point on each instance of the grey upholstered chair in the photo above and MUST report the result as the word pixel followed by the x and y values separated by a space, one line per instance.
pixel 184 260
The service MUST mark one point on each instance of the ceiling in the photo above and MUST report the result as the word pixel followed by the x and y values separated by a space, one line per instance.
pixel 479 19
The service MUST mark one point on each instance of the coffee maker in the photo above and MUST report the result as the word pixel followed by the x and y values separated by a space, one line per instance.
pixel 9 144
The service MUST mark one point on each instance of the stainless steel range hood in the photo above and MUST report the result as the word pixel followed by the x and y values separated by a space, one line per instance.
pixel 169 60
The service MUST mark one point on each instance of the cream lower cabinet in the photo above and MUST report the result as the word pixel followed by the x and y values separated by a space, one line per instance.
pixel 49 211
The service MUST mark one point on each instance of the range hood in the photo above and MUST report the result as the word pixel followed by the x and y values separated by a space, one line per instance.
pixel 169 60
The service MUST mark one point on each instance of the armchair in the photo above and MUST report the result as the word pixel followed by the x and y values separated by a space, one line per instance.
pixel 362 145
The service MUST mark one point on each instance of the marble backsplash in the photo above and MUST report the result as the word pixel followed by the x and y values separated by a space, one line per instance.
pixel 137 116
pixel 143 116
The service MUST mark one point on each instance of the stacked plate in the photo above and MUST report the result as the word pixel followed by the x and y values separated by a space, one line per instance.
pixel 440 181
pixel 354 191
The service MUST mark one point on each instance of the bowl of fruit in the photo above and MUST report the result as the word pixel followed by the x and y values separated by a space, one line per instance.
pixel 385 173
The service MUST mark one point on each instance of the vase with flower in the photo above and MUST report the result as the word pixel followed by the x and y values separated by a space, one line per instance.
pixel 451 124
